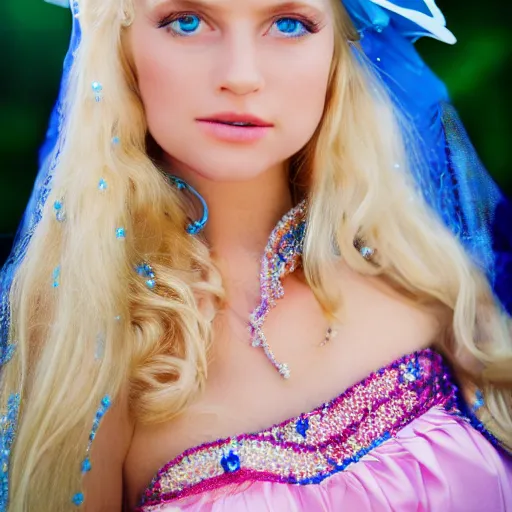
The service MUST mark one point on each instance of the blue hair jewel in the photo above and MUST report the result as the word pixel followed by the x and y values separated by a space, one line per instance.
pixel 97 89
pixel 60 214
pixel 366 252
pixel 86 466
pixel 197 226
pixel 146 271
pixel 56 276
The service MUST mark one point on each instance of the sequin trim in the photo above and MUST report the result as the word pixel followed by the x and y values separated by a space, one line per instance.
pixel 312 447
pixel 8 425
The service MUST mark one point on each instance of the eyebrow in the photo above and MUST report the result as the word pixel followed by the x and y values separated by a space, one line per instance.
pixel 208 6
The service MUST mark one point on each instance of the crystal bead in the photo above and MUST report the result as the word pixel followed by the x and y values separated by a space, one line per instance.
pixel 86 465
pixel 284 370
pixel 302 427
pixel 366 252
pixel 97 87
pixel 230 463
pixel 120 233
pixel 78 499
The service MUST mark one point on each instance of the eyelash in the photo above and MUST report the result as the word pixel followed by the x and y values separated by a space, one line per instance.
pixel 310 26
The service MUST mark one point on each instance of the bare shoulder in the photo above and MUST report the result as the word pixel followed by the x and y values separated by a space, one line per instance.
pixel 378 311
pixel 103 485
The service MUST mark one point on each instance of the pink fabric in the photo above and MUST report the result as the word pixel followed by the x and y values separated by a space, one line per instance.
pixel 438 463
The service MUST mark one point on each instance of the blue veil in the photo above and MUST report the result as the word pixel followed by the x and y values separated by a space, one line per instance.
pixel 454 182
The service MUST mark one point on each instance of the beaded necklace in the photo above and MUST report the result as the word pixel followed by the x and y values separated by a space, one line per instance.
pixel 282 256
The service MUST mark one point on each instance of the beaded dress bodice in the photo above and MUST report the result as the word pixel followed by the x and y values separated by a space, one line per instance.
pixel 318 444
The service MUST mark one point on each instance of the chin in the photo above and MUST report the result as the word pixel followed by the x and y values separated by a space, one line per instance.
pixel 236 164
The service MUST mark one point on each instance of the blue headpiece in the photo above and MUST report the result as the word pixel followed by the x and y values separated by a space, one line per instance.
pixel 454 182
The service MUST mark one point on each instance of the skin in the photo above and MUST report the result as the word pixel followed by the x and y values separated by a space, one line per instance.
pixel 239 63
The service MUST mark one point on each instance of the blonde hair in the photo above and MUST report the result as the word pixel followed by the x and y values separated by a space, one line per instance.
pixel 158 340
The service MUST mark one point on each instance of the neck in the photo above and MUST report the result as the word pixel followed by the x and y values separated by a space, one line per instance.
pixel 242 214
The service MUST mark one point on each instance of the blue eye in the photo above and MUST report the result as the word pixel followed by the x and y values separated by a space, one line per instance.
pixel 185 25
pixel 291 27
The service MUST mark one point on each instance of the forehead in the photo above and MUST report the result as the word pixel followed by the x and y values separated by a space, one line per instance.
pixel 232 5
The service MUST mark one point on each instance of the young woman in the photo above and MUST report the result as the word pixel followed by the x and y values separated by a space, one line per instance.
pixel 256 272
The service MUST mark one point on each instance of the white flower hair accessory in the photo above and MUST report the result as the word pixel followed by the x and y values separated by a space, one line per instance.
pixel 432 24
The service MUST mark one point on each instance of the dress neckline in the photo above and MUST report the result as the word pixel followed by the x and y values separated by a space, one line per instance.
pixel 396 394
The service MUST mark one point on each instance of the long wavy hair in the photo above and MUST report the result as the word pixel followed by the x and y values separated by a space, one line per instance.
pixel 157 340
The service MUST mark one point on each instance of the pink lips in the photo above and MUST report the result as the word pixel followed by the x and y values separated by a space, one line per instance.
pixel 232 127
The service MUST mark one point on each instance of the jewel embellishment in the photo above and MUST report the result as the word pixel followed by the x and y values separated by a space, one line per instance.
pixel 97 89
pixel 60 215
pixel 282 256
pixel 479 401
pixel 146 271
pixel 367 252
pixel 231 462
pixel 302 427
pixel 120 233
pixel 410 372
pixel 56 277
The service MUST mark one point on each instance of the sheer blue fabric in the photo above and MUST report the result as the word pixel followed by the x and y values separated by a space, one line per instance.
pixel 453 180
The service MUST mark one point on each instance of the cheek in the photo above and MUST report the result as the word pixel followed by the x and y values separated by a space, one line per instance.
pixel 167 84
pixel 303 83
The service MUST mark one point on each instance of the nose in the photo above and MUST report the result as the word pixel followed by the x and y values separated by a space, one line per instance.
pixel 239 71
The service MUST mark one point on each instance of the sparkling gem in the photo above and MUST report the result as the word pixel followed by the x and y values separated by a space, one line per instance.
pixel 78 499
pixel 86 465
pixel 231 462
pixel 284 370
pixel 97 87
pixel 411 372
pixel 479 401
pixel 56 277
pixel 120 233
pixel 302 427
pixel 116 140
pixel 58 206
pixel 145 270
pixel 106 401
pixel 366 252
pixel 102 184
pixel 409 377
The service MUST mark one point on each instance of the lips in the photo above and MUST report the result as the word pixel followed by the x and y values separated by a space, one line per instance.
pixel 238 120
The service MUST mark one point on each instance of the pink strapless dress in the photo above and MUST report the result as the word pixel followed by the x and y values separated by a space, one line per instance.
pixel 402 440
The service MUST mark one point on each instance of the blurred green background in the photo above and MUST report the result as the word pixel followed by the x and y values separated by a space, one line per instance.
pixel 34 38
